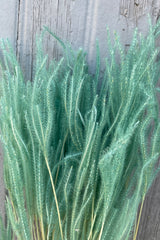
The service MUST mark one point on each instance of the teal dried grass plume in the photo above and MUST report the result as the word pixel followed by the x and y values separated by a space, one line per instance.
pixel 79 158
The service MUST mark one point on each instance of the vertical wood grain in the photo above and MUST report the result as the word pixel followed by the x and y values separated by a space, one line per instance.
pixel 79 22
pixel 149 228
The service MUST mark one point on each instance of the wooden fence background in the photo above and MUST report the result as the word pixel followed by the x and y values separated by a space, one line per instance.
pixel 80 22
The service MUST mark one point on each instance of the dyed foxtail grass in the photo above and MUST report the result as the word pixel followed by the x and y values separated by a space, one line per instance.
pixel 79 158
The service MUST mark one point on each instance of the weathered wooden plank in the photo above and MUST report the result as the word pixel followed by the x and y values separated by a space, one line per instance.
pixel 81 23
pixel 149 228
pixel 8 19
pixel 24 46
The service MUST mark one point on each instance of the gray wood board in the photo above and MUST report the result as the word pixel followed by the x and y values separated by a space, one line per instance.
pixel 81 23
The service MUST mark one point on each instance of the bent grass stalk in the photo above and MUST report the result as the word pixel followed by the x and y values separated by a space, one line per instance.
pixel 55 197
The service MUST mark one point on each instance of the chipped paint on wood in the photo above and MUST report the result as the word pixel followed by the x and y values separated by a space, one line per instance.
pixel 133 8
